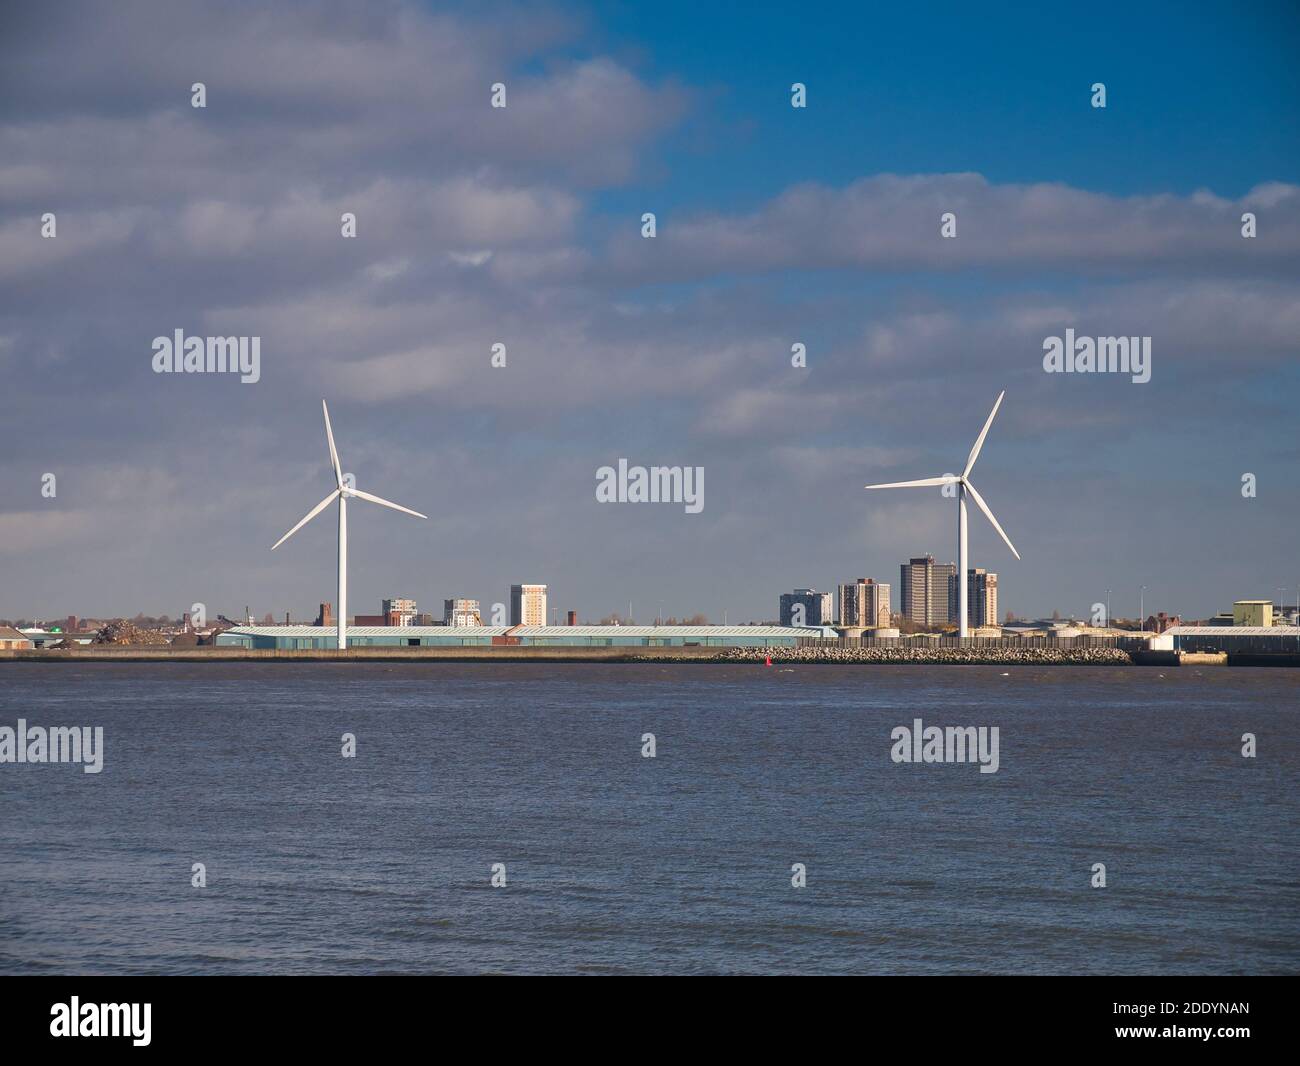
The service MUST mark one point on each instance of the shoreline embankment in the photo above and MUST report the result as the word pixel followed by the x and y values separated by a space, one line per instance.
pixel 829 656
pixel 912 656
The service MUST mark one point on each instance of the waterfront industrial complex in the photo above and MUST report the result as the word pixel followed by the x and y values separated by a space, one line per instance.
pixel 857 623
pixel 944 612
pixel 312 637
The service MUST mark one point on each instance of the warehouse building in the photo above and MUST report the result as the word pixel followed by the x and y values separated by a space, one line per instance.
pixel 1257 613
pixel 12 640
pixel 1239 639
pixel 292 638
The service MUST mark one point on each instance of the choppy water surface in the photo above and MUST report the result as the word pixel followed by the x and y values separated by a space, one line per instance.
pixel 617 863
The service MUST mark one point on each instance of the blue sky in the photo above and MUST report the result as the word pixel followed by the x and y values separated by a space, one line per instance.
pixel 1199 95
pixel 521 226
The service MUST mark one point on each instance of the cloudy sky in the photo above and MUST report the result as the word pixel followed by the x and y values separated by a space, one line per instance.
pixel 522 226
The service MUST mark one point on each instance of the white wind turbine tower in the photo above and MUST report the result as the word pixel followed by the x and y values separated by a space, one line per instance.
pixel 964 486
pixel 342 493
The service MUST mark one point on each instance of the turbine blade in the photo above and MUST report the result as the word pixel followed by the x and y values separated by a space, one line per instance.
pixel 387 503
pixel 334 454
pixel 979 441
pixel 979 502
pixel 310 515
pixel 924 483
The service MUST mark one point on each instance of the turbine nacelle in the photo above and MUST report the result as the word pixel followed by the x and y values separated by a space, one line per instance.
pixel 963 479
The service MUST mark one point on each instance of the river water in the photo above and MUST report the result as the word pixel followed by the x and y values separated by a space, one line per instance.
pixel 681 863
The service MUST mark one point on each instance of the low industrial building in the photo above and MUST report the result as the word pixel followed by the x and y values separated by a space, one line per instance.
pixel 12 640
pixel 47 638
pixel 1253 640
pixel 1252 613
pixel 302 638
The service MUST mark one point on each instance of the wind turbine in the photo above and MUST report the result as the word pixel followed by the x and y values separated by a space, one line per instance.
pixel 964 487
pixel 342 493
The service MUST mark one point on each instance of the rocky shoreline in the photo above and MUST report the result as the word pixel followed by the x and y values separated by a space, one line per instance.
pixel 986 656
pixel 974 656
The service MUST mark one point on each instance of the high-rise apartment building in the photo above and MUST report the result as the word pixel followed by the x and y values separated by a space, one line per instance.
pixel 806 607
pixel 461 612
pixel 528 605
pixel 399 612
pixel 925 595
pixel 864 603
pixel 981 598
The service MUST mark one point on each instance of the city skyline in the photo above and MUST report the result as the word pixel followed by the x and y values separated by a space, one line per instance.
pixel 521 227
pixel 853 600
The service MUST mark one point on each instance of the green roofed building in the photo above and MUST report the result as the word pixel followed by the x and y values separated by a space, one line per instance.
pixel 291 638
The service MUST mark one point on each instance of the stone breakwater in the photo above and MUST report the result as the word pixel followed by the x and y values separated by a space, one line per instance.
pixel 170 653
pixel 974 656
